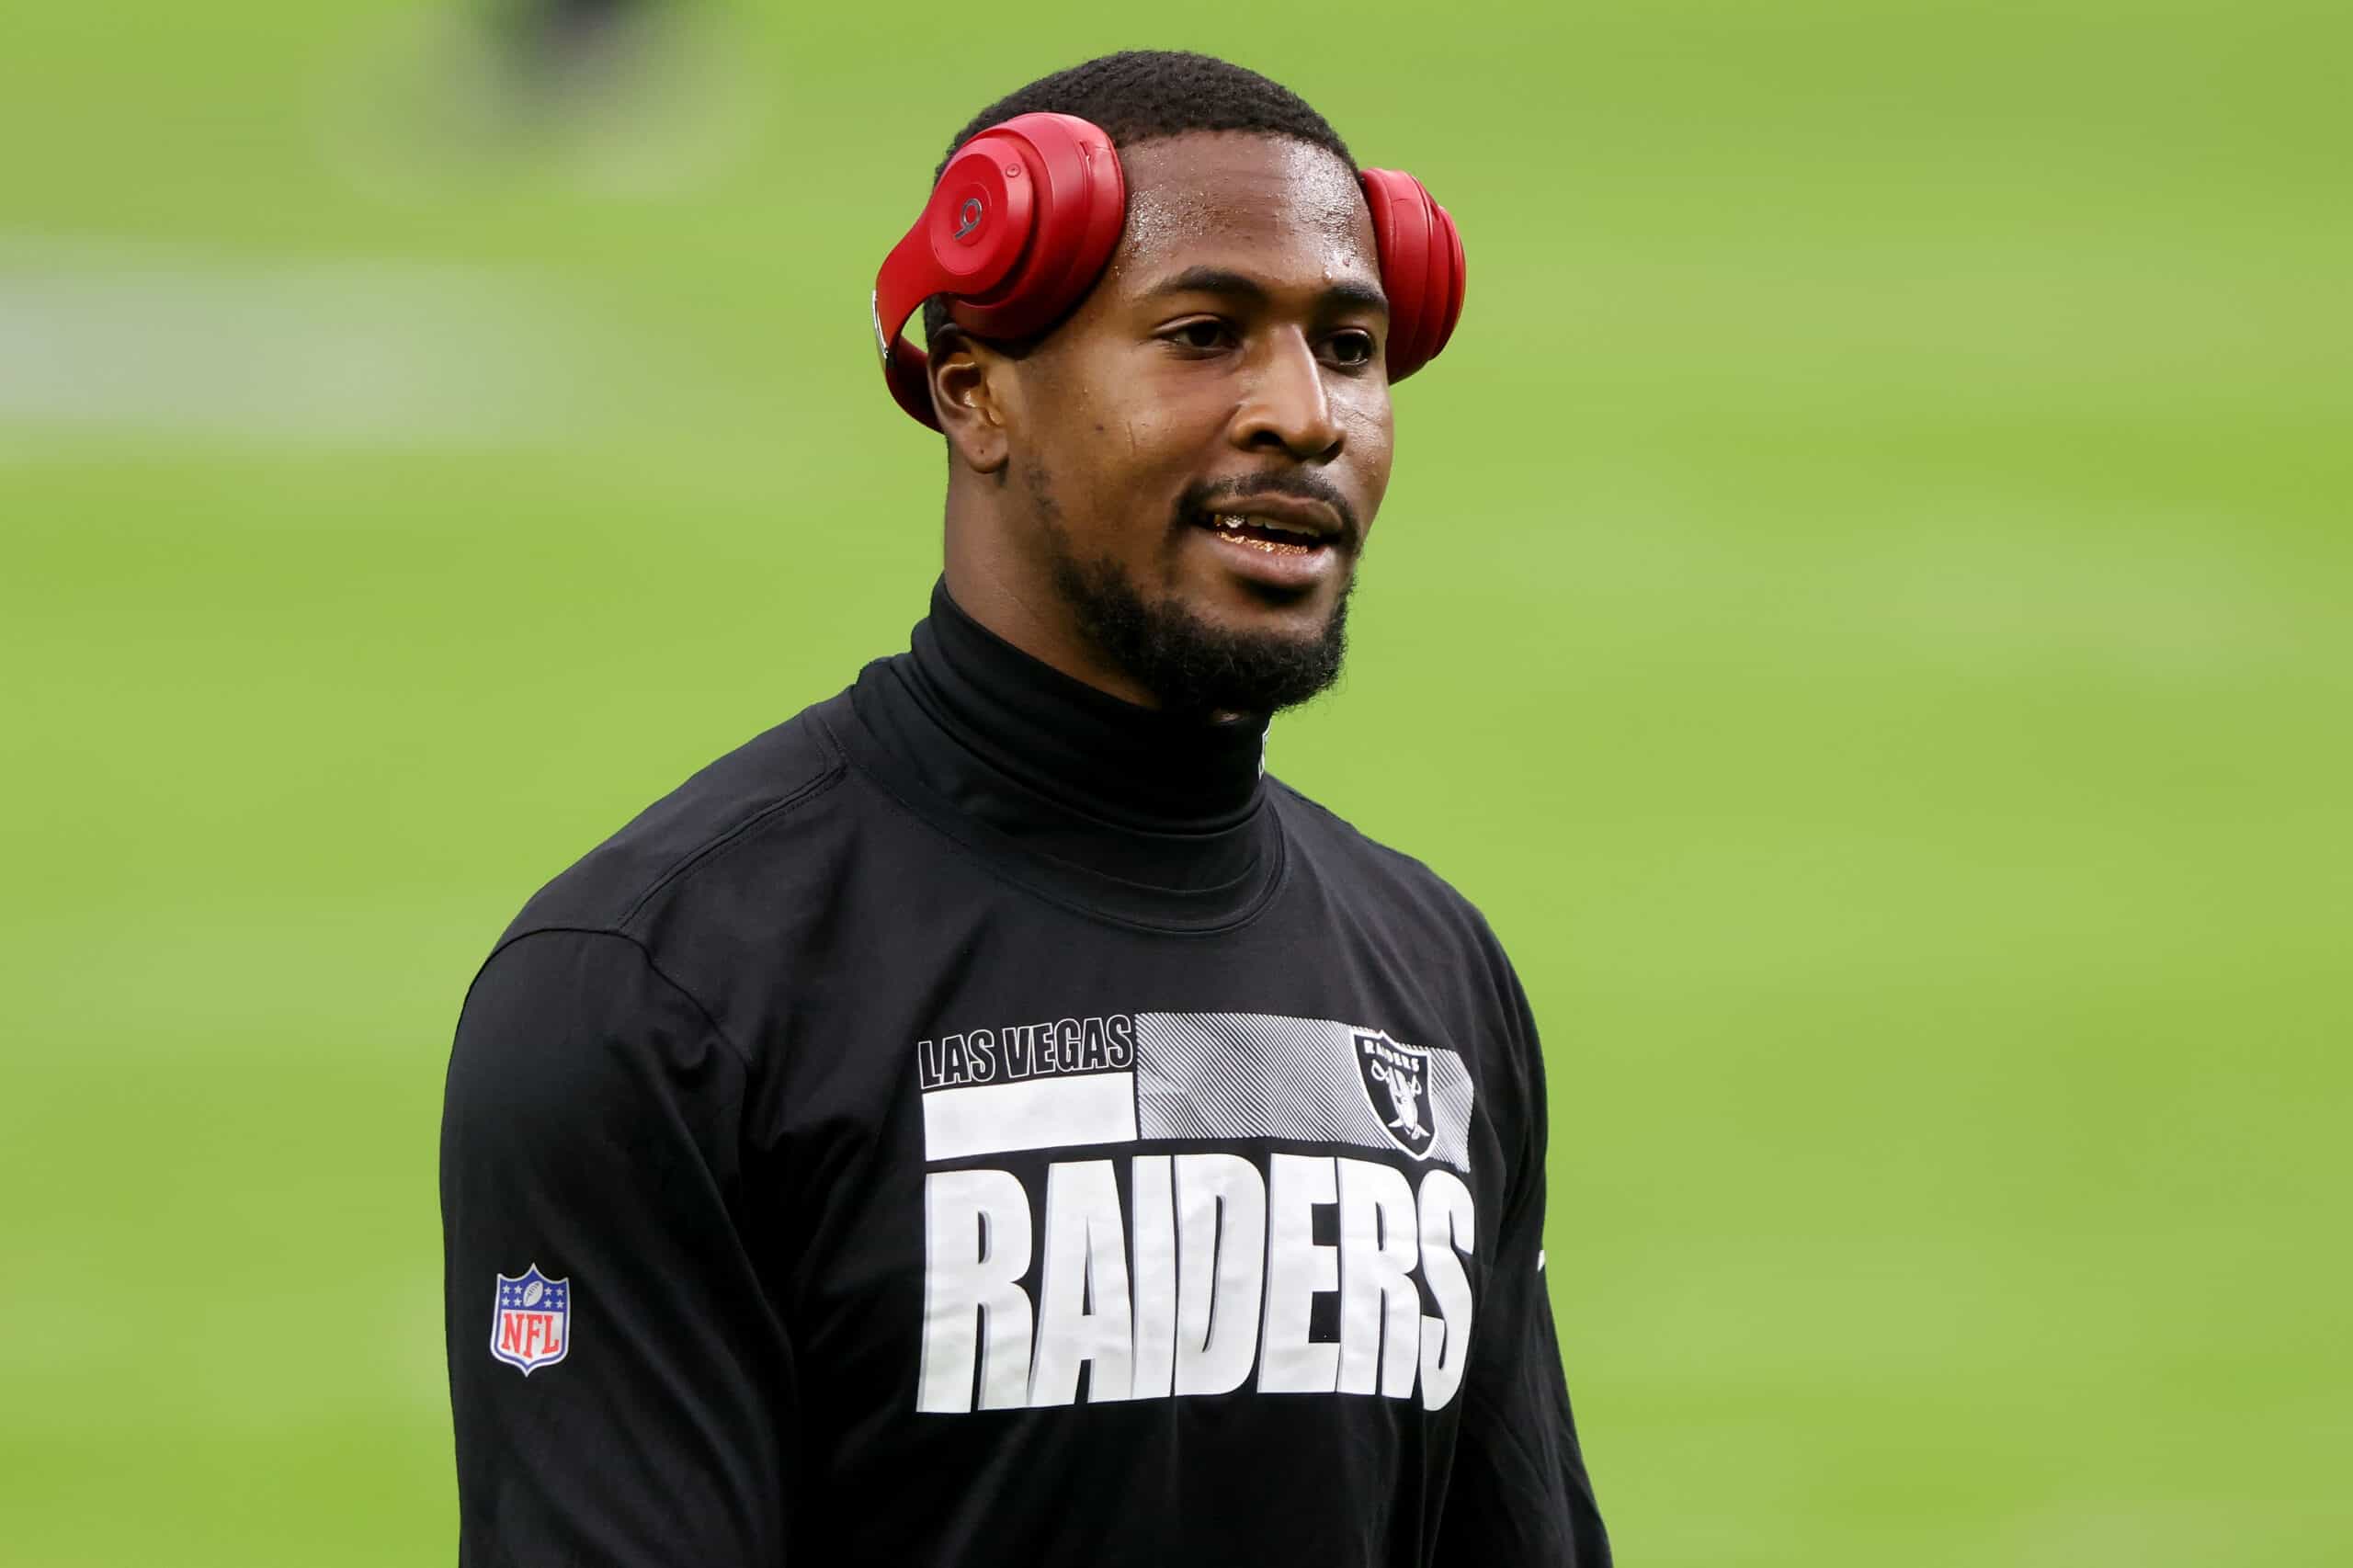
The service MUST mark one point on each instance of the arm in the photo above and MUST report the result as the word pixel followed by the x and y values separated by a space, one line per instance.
pixel 593 1128
pixel 1520 1496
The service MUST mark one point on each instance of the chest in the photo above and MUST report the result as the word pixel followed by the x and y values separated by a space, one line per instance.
pixel 1029 1167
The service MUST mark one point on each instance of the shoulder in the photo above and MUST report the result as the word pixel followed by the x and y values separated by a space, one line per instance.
pixel 1338 847
pixel 734 819
pixel 1412 915
pixel 648 932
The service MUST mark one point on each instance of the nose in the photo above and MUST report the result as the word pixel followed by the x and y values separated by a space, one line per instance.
pixel 1285 406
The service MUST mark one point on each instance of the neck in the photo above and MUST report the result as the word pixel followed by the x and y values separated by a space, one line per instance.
pixel 1067 771
pixel 1075 740
pixel 1030 618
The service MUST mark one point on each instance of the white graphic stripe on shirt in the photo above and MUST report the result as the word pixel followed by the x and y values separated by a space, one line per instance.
pixel 1044 1113
pixel 1255 1075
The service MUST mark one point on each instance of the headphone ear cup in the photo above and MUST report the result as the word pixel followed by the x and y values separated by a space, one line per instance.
pixel 1458 278
pixel 1422 268
pixel 1020 224
pixel 1405 260
pixel 1429 311
pixel 1080 195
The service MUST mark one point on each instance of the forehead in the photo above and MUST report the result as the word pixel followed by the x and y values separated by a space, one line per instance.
pixel 1254 203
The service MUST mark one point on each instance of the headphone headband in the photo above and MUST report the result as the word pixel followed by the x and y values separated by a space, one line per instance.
pixel 1025 216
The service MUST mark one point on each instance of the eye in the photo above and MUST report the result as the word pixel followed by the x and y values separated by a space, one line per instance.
pixel 1352 348
pixel 1205 336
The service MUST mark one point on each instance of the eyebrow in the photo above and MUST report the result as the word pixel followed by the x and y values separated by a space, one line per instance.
pixel 1348 291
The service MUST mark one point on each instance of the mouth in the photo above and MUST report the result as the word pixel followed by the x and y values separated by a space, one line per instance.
pixel 1273 524
pixel 1280 546
pixel 1280 549
pixel 1268 536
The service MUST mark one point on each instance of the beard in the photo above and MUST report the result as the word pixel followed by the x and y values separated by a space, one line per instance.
pixel 1191 665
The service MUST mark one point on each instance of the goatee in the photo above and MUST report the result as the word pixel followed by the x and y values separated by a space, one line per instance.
pixel 1189 663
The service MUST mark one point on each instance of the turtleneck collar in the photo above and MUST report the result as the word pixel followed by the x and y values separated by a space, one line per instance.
pixel 1130 801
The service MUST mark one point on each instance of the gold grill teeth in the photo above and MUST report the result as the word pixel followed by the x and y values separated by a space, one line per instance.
pixel 1231 524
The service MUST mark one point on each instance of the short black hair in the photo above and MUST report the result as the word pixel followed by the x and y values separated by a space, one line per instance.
pixel 1140 95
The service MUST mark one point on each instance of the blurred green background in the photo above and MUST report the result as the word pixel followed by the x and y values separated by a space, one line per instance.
pixel 1863 605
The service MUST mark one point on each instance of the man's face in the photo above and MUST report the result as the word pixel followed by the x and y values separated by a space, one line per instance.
pixel 1205 441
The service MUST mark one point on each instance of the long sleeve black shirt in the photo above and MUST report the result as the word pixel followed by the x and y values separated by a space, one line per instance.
pixel 980 1122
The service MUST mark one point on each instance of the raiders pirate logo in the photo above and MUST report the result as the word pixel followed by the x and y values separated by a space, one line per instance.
pixel 1396 1081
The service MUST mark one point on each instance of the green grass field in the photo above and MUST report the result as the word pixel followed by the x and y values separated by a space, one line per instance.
pixel 1866 606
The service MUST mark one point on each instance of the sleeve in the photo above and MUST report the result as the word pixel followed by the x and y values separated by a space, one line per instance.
pixel 1520 1496
pixel 616 1372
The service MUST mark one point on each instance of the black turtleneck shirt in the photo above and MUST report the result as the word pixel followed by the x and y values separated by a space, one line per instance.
pixel 980 1122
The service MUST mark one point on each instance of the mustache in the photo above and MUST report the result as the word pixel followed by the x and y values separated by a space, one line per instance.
pixel 1206 495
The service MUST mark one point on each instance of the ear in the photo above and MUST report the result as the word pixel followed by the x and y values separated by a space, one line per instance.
pixel 970 387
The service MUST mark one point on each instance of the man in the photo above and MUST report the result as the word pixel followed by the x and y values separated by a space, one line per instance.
pixel 986 1120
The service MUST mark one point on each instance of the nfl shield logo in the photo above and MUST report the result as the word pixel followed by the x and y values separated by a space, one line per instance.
pixel 532 1323
pixel 1396 1081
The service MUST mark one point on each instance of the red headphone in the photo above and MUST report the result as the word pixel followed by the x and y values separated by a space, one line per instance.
pixel 1027 213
